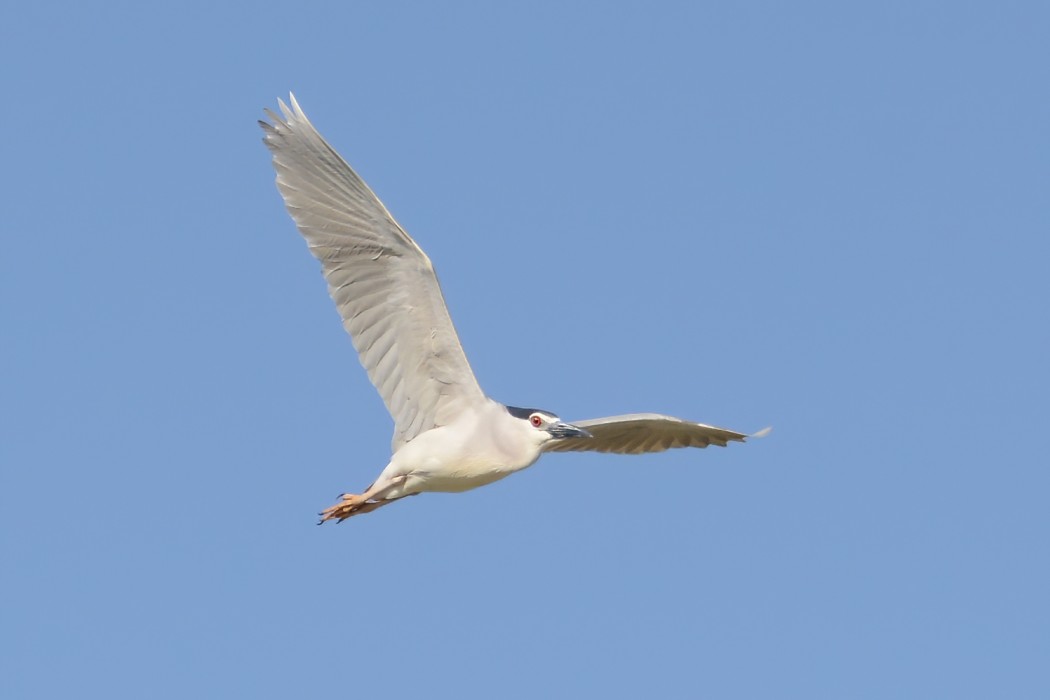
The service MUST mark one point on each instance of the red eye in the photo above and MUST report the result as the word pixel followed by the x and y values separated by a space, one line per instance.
pixel 536 421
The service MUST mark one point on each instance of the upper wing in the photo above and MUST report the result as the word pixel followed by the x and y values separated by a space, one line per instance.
pixel 382 282
pixel 637 433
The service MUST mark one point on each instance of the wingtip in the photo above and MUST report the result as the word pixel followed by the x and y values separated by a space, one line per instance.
pixel 290 110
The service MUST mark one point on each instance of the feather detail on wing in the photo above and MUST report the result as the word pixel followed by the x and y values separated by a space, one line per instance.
pixel 383 284
pixel 638 433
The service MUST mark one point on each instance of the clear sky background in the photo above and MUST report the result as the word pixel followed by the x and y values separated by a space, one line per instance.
pixel 827 217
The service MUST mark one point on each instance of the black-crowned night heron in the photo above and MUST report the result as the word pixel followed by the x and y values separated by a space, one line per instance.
pixel 448 436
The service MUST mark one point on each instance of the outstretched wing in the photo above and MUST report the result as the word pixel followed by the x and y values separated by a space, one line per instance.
pixel 638 433
pixel 382 282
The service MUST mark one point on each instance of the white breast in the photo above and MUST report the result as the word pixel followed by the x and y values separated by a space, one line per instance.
pixel 479 448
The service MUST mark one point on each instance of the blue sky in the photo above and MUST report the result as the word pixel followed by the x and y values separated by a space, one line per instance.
pixel 826 217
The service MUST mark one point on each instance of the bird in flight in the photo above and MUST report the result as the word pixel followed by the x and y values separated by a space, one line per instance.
pixel 448 435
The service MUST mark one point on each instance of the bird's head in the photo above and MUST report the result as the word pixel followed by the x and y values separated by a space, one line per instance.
pixel 544 426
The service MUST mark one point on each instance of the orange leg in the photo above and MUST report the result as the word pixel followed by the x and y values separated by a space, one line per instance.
pixel 357 504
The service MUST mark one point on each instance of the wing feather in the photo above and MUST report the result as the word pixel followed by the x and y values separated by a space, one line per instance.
pixel 382 282
pixel 638 433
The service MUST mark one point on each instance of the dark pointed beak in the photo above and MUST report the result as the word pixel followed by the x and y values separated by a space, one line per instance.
pixel 565 430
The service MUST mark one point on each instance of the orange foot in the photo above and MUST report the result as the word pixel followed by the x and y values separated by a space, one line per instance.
pixel 352 504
